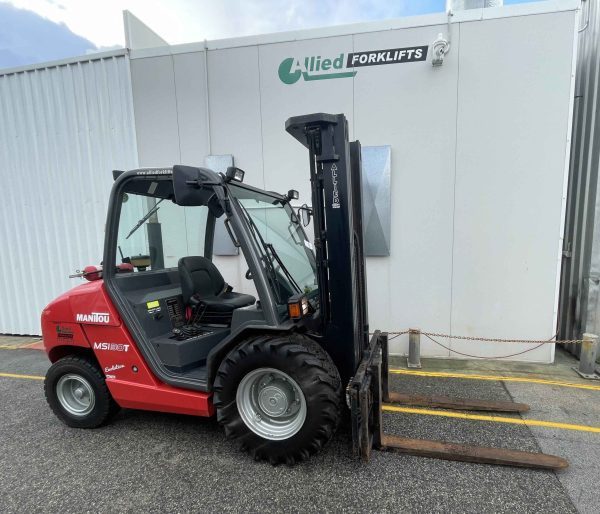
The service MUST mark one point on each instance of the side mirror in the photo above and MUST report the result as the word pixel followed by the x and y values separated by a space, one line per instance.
pixel 305 214
pixel 192 186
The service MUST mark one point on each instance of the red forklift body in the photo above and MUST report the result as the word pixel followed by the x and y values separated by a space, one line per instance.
pixel 83 320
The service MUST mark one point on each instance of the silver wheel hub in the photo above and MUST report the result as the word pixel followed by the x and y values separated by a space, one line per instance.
pixel 273 401
pixel 271 404
pixel 75 395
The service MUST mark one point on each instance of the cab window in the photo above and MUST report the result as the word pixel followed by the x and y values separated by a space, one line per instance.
pixel 154 233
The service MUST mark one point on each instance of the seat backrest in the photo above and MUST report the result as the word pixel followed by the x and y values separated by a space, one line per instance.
pixel 199 276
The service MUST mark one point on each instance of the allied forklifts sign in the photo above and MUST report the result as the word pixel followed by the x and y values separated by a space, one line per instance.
pixel 315 67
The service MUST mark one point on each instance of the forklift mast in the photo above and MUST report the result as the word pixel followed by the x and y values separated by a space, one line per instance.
pixel 335 177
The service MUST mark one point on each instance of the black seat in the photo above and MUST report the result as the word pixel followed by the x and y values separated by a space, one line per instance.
pixel 204 289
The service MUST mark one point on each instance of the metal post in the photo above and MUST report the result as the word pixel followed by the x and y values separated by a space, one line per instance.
pixel 587 358
pixel 385 368
pixel 414 348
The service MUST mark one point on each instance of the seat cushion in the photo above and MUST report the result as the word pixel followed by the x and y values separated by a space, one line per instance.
pixel 227 302
pixel 203 288
pixel 199 277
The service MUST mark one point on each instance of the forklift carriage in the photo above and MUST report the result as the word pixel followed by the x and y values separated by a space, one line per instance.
pixel 158 328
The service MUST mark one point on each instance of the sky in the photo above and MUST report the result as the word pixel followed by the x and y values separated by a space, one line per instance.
pixel 34 31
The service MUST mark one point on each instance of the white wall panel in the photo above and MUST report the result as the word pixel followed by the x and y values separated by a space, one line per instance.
pixel 235 118
pixel 513 121
pixel 412 107
pixel 190 95
pixel 63 129
pixel 155 105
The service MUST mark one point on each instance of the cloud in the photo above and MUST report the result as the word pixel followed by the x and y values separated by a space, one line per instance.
pixel 181 21
pixel 27 38
pixel 231 18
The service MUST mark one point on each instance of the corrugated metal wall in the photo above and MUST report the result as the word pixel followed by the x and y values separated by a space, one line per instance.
pixel 580 285
pixel 63 129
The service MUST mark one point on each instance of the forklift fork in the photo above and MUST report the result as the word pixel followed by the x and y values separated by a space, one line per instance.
pixel 368 390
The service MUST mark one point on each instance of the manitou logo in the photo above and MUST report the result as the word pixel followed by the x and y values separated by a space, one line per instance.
pixel 111 347
pixel 94 317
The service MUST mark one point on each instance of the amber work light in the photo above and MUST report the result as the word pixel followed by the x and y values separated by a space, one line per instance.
pixel 297 306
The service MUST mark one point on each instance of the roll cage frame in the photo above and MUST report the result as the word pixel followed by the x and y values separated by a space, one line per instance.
pixel 275 320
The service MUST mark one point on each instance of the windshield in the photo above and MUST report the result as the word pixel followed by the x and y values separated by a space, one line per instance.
pixel 287 253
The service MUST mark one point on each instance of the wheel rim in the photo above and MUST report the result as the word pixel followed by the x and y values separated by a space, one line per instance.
pixel 271 404
pixel 75 395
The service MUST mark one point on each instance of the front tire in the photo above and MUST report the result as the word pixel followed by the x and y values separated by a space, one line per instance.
pixel 76 392
pixel 279 396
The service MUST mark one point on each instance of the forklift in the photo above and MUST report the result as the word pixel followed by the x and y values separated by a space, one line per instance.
pixel 281 364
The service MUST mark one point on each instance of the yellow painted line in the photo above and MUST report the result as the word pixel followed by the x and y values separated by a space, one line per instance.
pixel 559 383
pixel 497 419
pixel 28 345
pixel 429 412
pixel 19 346
pixel 13 375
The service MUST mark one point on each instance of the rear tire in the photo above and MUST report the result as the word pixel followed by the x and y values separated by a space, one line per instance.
pixel 303 385
pixel 76 392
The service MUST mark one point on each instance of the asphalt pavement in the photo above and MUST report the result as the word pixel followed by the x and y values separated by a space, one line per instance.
pixel 154 462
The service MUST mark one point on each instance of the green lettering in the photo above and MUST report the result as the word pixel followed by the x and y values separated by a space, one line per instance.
pixel 285 71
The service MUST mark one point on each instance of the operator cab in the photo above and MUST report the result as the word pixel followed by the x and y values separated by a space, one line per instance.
pixel 170 288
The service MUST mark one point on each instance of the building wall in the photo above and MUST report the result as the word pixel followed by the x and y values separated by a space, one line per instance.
pixel 63 129
pixel 513 127
pixel 580 287
pixel 478 156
